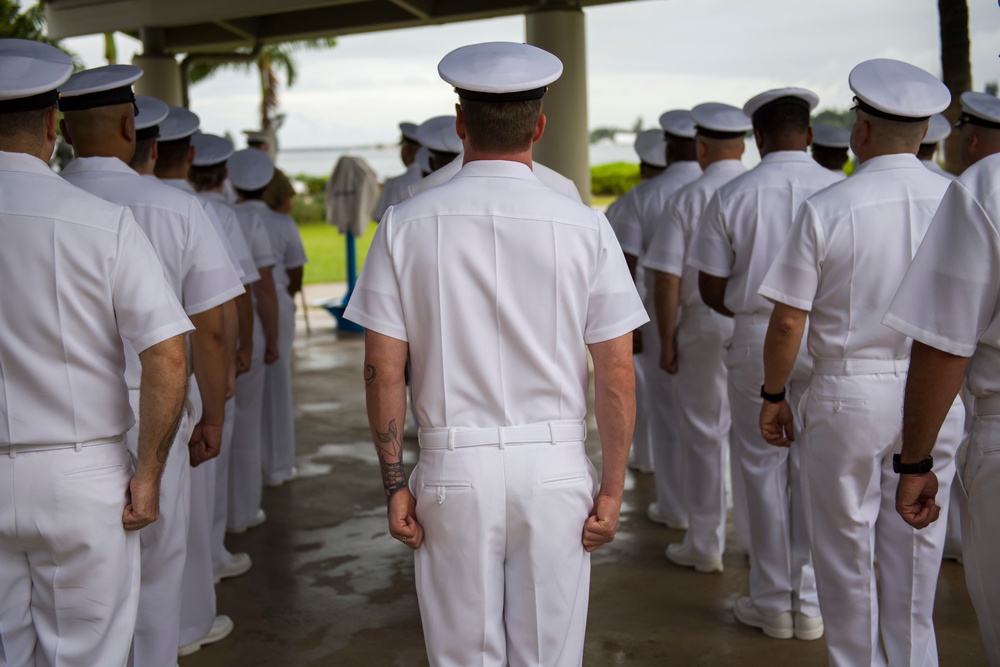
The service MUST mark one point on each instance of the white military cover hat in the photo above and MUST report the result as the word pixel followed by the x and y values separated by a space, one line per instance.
pixel 179 124
pixel 758 103
pixel 439 135
pixel 938 129
pixel 500 71
pixel 409 131
pixel 678 123
pixel 30 73
pixel 651 147
pixel 831 136
pixel 980 109
pixel 897 91
pixel 250 169
pixel 99 87
pixel 151 112
pixel 423 159
pixel 210 149
pixel 722 121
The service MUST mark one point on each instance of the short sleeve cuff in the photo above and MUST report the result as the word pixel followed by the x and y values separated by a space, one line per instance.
pixel 615 330
pixel 165 332
pixel 217 300
pixel 670 267
pixel 787 299
pixel 375 324
pixel 709 269
pixel 928 338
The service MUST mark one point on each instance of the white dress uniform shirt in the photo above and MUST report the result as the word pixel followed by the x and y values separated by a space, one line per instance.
pixel 80 278
pixel 842 262
pixel 396 189
pixel 949 300
pixel 200 271
pixel 741 231
pixel 498 284
pixel 547 176
pixel 277 440
pixel 635 224
pixel 702 398
pixel 234 232
pixel 936 168
pixel 210 210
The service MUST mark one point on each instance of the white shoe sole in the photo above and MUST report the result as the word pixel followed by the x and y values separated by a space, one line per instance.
pixel 772 632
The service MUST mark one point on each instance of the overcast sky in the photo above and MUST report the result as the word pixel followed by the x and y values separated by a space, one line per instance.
pixel 644 57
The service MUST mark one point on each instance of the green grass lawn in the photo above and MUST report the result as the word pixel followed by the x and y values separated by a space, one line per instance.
pixel 327 248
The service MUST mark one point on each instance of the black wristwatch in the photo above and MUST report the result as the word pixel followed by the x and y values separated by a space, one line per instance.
pixel 772 398
pixel 920 468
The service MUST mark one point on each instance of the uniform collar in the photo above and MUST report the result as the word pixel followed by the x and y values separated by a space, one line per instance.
pixel 108 164
pixel 213 195
pixel 24 162
pixel 496 169
pixel 894 161
pixel 682 166
pixel 724 166
pixel 181 184
pixel 786 156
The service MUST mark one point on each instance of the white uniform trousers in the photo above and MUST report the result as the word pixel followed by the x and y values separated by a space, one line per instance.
pixel 659 404
pixel 69 572
pixel 852 429
pixel 642 445
pixel 980 480
pixel 781 571
pixel 502 577
pixel 245 477
pixel 164 547
pixel 221 555
pixel 198 585
pixel 703 403
pixel 277 433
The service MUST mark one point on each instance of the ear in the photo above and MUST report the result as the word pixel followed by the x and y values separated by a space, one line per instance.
pixel 62 126
pixel 539 128
pixel 190 156
pixel 128 128
pixel 758 138
pixel 154 152
pixel 809 136
pixel 459 122
pixel 701 149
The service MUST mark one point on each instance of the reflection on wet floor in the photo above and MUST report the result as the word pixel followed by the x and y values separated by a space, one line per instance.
pixel 330 588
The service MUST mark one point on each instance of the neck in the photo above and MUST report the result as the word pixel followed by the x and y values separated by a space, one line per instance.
pixel 178 173
pixel 878 151
pixel 472 154
pixel 103 149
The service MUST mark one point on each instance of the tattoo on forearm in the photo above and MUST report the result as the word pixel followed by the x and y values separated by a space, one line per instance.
pixel 369 374
pixel 390 457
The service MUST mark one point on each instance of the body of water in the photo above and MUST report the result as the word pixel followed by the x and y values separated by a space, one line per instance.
pixel 385 159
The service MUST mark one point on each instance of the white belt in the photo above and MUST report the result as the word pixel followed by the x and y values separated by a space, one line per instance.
pixel 552 432
pixel 860 366
pixel 14 450
pixel 986 407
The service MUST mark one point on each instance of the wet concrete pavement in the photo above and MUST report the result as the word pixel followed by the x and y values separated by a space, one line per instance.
pixel 330 588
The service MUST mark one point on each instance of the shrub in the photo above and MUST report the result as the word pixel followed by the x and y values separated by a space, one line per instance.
pixel 616 178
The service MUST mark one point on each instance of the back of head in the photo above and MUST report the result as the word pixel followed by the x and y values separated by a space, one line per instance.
pixel 783 126
pixel 720 130
pixel 173 157
pixel 24 131
pixel 106 131
pixel 30 73
pixel 501 128
pixel 831 157
pixel 980 127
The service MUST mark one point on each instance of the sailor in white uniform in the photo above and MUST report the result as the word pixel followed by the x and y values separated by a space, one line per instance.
pixel 97 107
pixel 938 129
pixel 277 433
pixel 208 176
pixel 395 189
pixel 524 280
pixel 693 348
pixel 651 147
pixel 439 135
pixel 636 223
pixel 979 127
pixel 88 284
pixel 840 266
pixel 829 147
pixel 741 231
pixel 948 302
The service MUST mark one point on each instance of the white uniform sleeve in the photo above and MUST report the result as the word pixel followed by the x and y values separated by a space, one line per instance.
pixel 712 249
pixel 628 226
pixel 213 217
pixel 260 243
pixel 376 303
pixel 614 307
pixel 239 243
pixel 209 278
pixel 295 253
pixel 794 276
pixel 949 294
pixel 146 309
pixel 666 249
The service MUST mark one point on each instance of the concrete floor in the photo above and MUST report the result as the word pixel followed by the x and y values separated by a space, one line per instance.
pixel 329 587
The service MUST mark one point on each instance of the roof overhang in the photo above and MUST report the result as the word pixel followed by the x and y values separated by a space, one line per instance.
pixel 218 25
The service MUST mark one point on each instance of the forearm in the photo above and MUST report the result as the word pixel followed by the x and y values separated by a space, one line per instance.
pixel 210 363
pixel 267 305
pixel 667 296
pixel 163 386
pixel 385 396
pixel 932 383
pixel 781 345
pixel 244 316
pixel 295 280
pixel 614 407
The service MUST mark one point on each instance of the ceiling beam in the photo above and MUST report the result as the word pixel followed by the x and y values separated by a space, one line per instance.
pixel 419 8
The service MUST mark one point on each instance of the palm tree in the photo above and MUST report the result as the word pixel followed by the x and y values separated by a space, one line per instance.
pixel 272 59
pixel 956 69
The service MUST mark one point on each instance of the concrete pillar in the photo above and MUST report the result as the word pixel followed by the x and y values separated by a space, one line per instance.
pixel 558 27
pixel 161 74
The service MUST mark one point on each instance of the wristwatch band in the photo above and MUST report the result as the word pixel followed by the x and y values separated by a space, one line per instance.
pixel 920 468
pixel 772 398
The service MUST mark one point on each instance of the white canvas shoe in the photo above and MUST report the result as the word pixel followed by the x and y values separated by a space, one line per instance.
pixel 257 520
pixel 776 627
pixel 221 627
pixel 238 564
pixel 678 554
pixel 808 628
pixel 654 514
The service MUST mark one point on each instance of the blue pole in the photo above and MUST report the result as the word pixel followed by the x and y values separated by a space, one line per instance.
pixel 352 266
